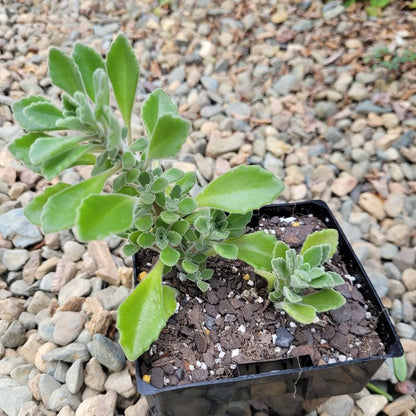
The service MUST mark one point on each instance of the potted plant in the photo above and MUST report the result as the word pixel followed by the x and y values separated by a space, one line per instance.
pixel 181 238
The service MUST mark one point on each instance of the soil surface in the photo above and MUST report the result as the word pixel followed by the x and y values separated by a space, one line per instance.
pixel 234 323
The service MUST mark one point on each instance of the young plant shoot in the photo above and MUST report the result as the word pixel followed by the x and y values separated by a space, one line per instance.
pixel 151 207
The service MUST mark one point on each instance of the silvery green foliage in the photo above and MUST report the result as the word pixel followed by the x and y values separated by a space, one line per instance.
pixel 302 286
pixel 149 206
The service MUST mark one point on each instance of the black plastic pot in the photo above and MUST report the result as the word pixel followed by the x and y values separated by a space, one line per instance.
pixel 288 387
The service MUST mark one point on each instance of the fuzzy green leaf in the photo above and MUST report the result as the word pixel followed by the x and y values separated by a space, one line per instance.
pixel 130 249
pixel 174 238
pixel 279 267
pixel 47 147
pixel 228 251
pixel 56 164
pixel 20 147
pixel 338 280
pixel 305 314
pixel 169 217
pixel 202 286
pixel 187 206
pixel 144 223
pixel 290 296
pixel 323 281
pixel 45 115
pixel 240 190
pixel 169 256
pixel 33 210
pixel 146 240
pixel 139 145
pixel 181 227
pixel 189 266
pixel 327 236
pixel 123 71
pixel 168 137
pixel 187 182
pixel 143 315
pixel 256 249
pixel 173 175
pixel 102 215
pixel 87 60
pixel 324 300
pixel 18 108
pixel 313 256
pixel 280 250
pixel 59 212
pixel 63 72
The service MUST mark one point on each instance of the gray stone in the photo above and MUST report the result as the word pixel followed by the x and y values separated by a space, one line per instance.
pixel 15 259
pixel 60 371
pixel 379 281
pixel 388 251
pixel 12 389
pixel 209 83
pixel 240 408
pixel 334 12
pixel 19 288
pixel 28 320
pixel 73 251
pixel 238 110
pixel 21 373
pixel 209 111
pixel 15 227
pixel 285 83
pixel 303 25
pixel 107 352
pixel 111 297
pixel 94 375
pixel 70 353
pixel 8 363
pixel 62 397
pixel 367 106
pixel 68 325
pixel 325 109
pixel 405 330
pixel 45 329
pixel 47 385
pixel 29 409
pixel 283 337
pixel 75 377
pixel 15 335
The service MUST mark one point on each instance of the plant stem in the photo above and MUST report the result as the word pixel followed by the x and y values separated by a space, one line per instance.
pixel 375 389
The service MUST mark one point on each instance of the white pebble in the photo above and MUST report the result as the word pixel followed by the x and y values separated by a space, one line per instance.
pixel 221 354
pixel 292 325
pixel 250 282
pixel 204 366
pixel 323 341
pixel 235 352
pixel 242 329
pixel 191 367
pixel 332 361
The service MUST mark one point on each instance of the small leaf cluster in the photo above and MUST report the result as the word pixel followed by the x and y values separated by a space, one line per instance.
pixel 297 282
pixel 297 273
pixel 384 58
pixel 151 207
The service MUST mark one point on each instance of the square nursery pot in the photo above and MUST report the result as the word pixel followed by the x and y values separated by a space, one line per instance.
pixel 286 387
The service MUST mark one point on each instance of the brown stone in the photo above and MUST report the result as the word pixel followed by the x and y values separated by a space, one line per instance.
pixel 126 276
pixel 30 348
pixel 46 267
pixel 99 322
pixel 400 405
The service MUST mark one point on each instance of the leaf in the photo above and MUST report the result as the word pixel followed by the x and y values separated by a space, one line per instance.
pixel 59 212
pixel 338 280
pixel 324 300
pixel 18 112
pixel 99 216
pixel 56 164
pixel 139 145
pixel 187 206
pixel 291 296
pixel 305 314
pixel 269 276
pixel 72 123
pixel 144 223
pixel 102 91
pixel 123 71
pixel 327 236
pixel 143 315
pixel 256 249
pixel 146 240
pixel 187 182
pixel 313 256
pixel 228 251
pixel 279 268
pixel 130 249
pixel 20 147
pixel 400 368
pixel 202 286
pixel 168 137
pixel 323 281
pixel 169 217
pixel 189 266
pixel 236 223
pixel 173 175
pixel 87 61
pixel 280 250
pixel 47 147
pixel 169 256
pixel 156 105
pixel 63 72
pixel 44 115
pixel 33 210
pixel 240 190
pixel 379 3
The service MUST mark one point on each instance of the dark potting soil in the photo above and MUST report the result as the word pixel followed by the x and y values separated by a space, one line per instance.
pixel 235 323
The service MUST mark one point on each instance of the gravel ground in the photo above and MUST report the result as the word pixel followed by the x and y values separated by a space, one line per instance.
pixel 277 83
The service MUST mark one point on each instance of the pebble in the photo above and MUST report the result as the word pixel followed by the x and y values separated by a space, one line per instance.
pixel 337 406
pixel 399 406
pixel 67 327
pixel 371 405
pixel 372 204
pixel 409 279
pixel 15 259
pixel 62 397
pixel 15 335
pixel 122 383
pixel 94 375
pixel 102 404
pixel 70 353
pixel 75 377
pixel 20 394
pixel 17 228
pixel 107 352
